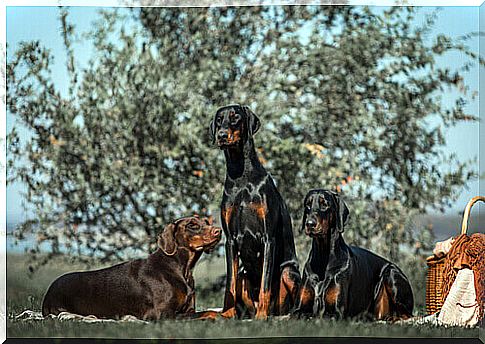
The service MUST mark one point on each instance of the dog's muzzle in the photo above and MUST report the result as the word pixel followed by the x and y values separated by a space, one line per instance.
pixel 215 237
pixel 222 138
pixel 314 225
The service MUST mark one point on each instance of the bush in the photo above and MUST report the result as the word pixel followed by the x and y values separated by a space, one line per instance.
pixel 344 94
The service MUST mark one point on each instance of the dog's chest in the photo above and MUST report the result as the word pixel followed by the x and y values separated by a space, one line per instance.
pixel 184 295
pixel 237 191
pixel 247 217
pixel 327 297
pixel 245 207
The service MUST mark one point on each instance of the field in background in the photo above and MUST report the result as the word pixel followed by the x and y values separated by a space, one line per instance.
pixel 24 293
pixel 444 226
pixel 448 225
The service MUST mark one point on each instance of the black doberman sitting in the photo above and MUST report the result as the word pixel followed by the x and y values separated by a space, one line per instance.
pixel 346 281
pixel 160 286
pixel 256 223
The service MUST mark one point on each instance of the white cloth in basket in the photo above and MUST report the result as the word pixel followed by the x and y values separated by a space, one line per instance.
pixel 461 307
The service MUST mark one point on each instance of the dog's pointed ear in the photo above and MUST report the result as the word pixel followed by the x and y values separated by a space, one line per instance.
pixel 166 240
pixel 212 130
pixel 253 121
pixel 343 214
pixel 302 228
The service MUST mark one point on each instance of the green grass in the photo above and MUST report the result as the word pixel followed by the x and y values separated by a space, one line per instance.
pixel 24 292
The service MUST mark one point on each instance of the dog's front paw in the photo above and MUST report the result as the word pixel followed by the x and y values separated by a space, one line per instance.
pixel 261 316
pixel 229 314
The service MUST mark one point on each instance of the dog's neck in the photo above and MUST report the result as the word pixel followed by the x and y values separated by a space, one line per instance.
pixel 189 259
pixel 185 258
pixel 186 262
pixel 326 250
pixel 242 160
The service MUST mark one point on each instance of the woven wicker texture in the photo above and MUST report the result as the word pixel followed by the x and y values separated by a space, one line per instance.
pixel 466 251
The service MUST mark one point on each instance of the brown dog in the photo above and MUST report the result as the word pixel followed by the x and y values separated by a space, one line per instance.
pixel 160 286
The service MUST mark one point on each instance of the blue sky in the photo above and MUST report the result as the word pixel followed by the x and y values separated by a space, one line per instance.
pixel 42 23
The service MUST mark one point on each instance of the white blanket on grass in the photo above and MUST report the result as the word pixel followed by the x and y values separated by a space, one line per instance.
pixel 29 315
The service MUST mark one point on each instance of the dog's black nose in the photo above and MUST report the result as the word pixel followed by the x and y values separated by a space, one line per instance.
pixel 311 223
pixel 222 135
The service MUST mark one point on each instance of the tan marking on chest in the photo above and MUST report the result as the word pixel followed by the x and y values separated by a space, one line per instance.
pixel 260 208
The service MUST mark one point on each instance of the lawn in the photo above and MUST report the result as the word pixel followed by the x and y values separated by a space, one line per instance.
pixel 24 292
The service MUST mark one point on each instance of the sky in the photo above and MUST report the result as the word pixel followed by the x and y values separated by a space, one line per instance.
pixel 42 23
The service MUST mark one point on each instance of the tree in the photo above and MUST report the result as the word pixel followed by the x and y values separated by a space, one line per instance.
pixel 344 95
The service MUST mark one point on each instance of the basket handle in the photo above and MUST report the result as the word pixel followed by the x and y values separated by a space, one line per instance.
pixel 466 214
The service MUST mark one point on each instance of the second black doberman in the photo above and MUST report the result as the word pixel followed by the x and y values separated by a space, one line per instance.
pixel 346 281
pixel 256 223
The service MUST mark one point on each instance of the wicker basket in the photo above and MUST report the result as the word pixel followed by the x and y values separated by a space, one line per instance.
pixel 434 278
pixel 434 283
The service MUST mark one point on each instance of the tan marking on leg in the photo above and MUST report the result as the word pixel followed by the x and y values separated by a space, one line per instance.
pixel 307 296
pixel 382 308
pixel 262 312
pixel 282 298
pixel 287 293
pixel 206 315
pixel 396 311
pixel 331 295
pixel 226 214
pixel 235 267
pixel 230 312
pixel 244 293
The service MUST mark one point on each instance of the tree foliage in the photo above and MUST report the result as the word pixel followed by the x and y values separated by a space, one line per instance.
pixel 349 99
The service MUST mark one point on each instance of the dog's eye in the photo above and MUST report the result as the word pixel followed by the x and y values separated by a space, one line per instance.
pixel 235 118
pixel 193 227
pixel 219 120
